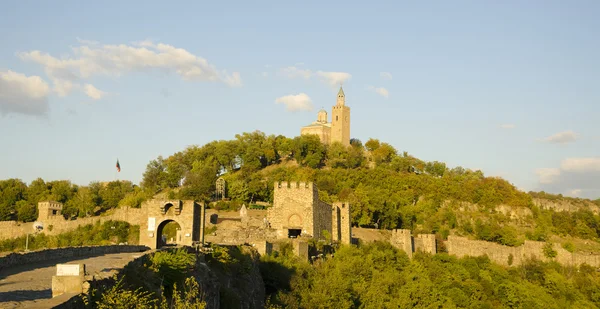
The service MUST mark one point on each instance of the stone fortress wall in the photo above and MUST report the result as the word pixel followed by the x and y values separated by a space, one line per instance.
pixel 461 246
pixel 299 206
pixel 403 240
pixel 55 224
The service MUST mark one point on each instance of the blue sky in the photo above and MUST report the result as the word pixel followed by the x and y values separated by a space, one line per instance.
pixel 511 87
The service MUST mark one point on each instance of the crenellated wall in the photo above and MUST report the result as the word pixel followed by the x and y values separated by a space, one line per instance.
pixel 461 246
pixel 403 239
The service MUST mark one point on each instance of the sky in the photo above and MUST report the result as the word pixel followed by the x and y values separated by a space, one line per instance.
pixel 508 87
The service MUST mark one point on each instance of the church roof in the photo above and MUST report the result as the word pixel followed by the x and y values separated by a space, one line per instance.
pixel 318 124
pixel 341 92
pixel 322 110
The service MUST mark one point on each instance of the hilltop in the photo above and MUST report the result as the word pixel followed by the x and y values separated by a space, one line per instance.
pixel 386 189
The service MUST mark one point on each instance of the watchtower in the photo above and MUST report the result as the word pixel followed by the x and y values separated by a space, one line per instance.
pixel 297 210
pixel 49 210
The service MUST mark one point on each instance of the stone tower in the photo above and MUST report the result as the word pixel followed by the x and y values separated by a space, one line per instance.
pixel 49 210
pixel 340 120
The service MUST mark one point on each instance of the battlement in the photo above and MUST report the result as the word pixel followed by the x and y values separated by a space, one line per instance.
pixel 426 236
pixel 401 232
pixel 50 205
pixel 403 239
pixel 49 210
pixel 283 185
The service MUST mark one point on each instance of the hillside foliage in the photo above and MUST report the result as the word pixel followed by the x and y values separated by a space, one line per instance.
pixel 378 275
pixel 387 189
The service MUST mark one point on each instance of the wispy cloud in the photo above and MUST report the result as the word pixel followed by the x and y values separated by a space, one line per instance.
pixel 333 79
pixel 386 75
pixel 93 92
pixel 380 91
pixel 296 102
pixel 562 137
pixel 577 176
pixel 93 59
pixel 23 94
pixel 508 126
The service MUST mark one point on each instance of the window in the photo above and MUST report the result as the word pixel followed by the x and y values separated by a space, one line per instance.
pixel 54 211
pixel 294 233
pixel 336 118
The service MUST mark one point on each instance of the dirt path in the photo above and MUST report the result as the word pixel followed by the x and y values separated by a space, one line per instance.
pixel 27 285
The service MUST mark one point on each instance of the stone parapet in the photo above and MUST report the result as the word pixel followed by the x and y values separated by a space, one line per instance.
pixel 15 259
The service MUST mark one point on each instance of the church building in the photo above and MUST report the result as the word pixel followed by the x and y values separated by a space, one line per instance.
pixel 338 130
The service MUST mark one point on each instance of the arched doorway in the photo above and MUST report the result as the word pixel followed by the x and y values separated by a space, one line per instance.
pixel 169 233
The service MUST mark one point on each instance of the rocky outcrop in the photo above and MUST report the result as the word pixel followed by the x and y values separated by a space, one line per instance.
pixel 566 205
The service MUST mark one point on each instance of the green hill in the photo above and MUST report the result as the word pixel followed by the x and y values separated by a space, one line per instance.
pixel 386 189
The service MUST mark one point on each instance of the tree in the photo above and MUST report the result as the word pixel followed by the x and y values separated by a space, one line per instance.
pixel 155 174
pixel 26 212
pixel 372 144
pixel 11 191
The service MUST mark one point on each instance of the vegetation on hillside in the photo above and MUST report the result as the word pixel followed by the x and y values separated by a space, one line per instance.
pixel 178 279
pixel 161 280
pixel 380 276
pixel 386 189
pixel 107 233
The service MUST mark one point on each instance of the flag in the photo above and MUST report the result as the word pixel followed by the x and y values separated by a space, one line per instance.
pixel 118 166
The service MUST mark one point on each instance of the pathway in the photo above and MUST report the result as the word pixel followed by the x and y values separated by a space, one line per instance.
pixel 29 286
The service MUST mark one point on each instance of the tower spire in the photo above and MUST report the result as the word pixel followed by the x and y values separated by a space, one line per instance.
pixel 341 97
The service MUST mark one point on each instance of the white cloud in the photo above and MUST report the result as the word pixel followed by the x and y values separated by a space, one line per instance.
pixel 562 137
pixel 92 59
pixel 93 92
pixel 547 175
pixel 380 90
pixel 331 78
pixel 296 102
pixel 508 126
pixel 579 173
pixel 386 75
pixel 293 72
pixel 334 78
pixel 581 165
pixel 23 94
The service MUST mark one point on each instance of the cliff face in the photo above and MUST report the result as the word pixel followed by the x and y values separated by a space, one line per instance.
pixel 566 205
pixel 231 278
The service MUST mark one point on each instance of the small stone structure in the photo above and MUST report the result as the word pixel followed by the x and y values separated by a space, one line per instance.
pixel 403 239
pixel 159 212
pixel 49 210
pixel 69 278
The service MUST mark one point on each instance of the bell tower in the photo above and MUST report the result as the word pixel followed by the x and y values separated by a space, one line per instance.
pixel 340 120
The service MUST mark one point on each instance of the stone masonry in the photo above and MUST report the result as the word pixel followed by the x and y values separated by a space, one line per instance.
pixel 296 207
pixel 187 214
pixel 402 239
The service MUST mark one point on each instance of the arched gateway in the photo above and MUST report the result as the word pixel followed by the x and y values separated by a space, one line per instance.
pixel 189 215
